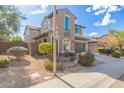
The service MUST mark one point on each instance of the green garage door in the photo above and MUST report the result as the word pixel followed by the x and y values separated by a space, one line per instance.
pixel 79 47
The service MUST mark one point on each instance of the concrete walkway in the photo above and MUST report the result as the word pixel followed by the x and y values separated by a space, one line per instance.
pixel 100 76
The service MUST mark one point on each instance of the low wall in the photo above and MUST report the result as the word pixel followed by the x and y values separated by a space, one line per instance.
pixel 6 45
pixel 34 48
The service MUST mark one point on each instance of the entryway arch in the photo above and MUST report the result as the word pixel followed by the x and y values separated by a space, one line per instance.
pixel 66 45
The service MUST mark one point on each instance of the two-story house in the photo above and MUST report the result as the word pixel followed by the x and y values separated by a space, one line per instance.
pixel 70 36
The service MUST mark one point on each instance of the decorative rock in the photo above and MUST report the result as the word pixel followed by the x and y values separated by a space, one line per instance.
pixel 34 75
pixel 47 77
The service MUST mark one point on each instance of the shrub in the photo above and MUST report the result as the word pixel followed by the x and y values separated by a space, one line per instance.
pixel 116 49
pixel 45 48
pixel 17 51
pixel 86 58
pixel 122 53
pixel 116 54
pixel 100 50
pixel 16 39
pixel 4 63
pixel 48 64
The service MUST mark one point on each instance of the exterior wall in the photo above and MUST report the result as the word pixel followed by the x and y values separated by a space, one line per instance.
pixel 79 34
pixel 6 45
pixel 60 28
pixel 30 34
pixel 61 31
pixel 92 47
pixel 47 23
pixel 33 34
pixel 80 47
pixel 34 48
pixel 26 36
pixel 46 26
pixel 44 37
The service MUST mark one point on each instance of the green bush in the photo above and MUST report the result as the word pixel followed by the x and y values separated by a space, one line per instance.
pixel 17 51
pixel 122 53
pixel 45 48
pixel 86 58
pixel 48 64
pixel 116 54
pixel 100 50
pixel 116 49
pixel 16 39
pixel 4 63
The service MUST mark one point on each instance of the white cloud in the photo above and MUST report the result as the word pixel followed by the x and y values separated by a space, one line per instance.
pixel 88 9
pixel 43 9
pixel 99 12
pixel 96 7
pixel 113 8
pixel 106 20
pixel 106 10
pixel 93 34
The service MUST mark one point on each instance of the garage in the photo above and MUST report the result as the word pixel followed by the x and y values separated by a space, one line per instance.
pixel 79 47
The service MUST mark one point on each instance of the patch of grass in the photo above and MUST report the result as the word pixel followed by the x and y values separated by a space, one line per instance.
pixel 4 63
pixel 100 50
pixel 48 64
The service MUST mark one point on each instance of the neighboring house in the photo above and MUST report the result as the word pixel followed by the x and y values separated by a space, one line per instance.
pixel 70 36
pixel 30 33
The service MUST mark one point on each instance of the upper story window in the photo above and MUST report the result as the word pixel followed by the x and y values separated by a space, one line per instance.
pixel 78 30
pixel 66 24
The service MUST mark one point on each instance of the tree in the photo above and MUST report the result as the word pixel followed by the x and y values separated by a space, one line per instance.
pixel 16 39
pixel 119 34
pixel 4 36
pixel 111 32
pixel 10 20
pixel 120 37
pixel 108 41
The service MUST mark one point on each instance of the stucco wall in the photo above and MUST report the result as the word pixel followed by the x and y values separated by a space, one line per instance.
pixel 61 31
pixel 80 47
pixel 6 45
pixel 92 47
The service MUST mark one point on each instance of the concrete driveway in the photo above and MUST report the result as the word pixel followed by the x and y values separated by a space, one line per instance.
pixel 93 77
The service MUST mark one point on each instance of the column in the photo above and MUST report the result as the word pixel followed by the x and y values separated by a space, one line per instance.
pixel 86 46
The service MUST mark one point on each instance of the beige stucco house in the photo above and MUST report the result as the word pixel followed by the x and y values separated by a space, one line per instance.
pixel 70 36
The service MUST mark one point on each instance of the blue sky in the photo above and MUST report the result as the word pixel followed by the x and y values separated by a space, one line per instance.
pixel 97 19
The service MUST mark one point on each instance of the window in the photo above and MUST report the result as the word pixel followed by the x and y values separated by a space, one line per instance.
pixel 66 24
pixel 77 30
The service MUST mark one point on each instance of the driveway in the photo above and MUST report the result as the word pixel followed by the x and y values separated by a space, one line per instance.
pixel 102 75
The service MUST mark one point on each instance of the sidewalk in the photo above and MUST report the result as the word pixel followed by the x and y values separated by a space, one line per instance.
pixel 100 76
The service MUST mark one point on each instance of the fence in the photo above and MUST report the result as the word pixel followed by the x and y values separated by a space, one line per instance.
pixel 6 45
